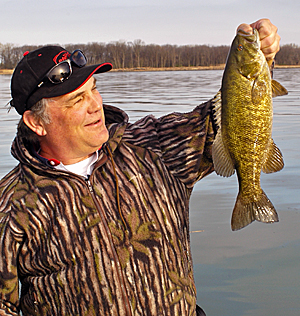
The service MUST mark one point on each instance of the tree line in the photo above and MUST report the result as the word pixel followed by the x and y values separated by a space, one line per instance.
pixel 137 54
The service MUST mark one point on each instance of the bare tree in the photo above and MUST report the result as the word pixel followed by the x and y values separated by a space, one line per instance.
pixel 137 47
pixel 136 54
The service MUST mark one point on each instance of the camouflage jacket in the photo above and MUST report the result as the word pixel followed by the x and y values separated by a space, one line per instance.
pixel 117 243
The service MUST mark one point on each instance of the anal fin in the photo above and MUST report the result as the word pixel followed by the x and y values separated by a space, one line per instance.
pixel 273 160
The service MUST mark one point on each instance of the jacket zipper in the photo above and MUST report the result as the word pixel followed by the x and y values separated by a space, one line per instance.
pixel 115 255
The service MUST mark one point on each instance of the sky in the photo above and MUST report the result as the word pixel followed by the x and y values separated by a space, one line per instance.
pixel 176 22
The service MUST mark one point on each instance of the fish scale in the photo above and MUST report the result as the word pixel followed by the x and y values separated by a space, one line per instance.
pixel 244 114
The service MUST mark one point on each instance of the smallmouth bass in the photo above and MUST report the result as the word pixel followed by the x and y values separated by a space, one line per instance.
pixel 244 114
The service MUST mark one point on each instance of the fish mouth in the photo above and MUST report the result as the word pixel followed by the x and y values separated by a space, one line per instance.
pixel 250 37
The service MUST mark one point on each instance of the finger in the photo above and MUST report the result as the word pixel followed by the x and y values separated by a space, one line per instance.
pixel 264 27
pixel 268 37
pixel 245 28
pixel 271 50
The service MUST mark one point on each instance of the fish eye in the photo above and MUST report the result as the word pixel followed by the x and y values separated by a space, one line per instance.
pixel 240 47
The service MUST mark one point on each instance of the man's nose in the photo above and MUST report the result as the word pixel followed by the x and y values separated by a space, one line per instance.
pixel 95 102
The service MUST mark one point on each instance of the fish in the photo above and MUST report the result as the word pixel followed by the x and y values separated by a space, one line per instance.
pixel 243 114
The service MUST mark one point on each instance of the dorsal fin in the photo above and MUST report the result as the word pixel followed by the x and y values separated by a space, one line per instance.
pixel 223 163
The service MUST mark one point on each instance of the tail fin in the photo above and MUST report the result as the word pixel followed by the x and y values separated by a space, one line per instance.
pixel 244 214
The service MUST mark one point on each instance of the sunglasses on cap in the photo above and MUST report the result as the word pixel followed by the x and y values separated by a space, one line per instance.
pixel 63 70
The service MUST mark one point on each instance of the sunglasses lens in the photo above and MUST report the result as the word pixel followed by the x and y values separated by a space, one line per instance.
pixel 78 58
pixel 63 70
pixel 60 73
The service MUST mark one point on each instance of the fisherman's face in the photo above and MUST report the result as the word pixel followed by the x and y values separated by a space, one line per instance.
pixel 77 127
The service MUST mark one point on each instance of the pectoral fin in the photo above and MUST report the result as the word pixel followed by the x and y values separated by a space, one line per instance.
pixel 223 163
pixel 278 89
pixel 273 160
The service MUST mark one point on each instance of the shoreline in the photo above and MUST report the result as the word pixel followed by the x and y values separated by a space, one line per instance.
pixel 217 67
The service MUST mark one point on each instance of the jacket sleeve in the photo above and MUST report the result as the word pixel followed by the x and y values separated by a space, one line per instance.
pixel 182 140
pixel 9 284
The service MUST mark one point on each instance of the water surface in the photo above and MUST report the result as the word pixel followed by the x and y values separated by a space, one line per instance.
pixel 254 271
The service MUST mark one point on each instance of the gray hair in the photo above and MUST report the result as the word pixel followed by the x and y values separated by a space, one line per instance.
pixel 39 111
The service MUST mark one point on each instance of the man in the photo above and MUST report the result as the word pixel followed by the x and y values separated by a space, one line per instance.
pixel 94 219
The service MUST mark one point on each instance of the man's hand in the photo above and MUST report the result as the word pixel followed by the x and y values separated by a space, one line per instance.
pixel 269 38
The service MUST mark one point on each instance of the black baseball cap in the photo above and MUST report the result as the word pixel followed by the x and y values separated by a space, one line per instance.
pixel 32 70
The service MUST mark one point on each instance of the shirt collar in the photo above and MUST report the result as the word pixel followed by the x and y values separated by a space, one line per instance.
pixel 83 168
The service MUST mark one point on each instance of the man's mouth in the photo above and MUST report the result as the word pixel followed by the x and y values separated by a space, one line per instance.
pixel 94 123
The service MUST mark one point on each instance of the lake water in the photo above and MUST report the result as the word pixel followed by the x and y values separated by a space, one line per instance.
pixel 255 271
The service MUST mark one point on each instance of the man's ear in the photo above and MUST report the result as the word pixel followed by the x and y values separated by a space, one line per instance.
pixel 35 124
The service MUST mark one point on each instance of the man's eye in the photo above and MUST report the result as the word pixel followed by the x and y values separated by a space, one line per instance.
pixel 78 100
